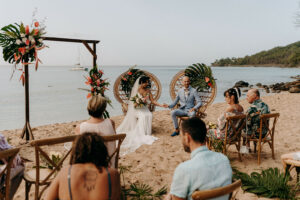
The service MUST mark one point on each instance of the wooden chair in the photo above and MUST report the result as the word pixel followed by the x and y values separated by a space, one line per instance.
pixel 120 138
pixel 8 156
pixel 217 192
pixel 123 99
pixel 41 176
pixel 233 133
pixel 207 96
pixel 267 121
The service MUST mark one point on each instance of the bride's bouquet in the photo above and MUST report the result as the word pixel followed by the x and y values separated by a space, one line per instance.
pixel 138 102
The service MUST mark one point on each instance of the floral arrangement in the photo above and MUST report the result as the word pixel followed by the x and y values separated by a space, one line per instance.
pixel 129 78
pixel 21 44
pixel 200 76
pixel 55 157
pixel 139 102
pixel 97 85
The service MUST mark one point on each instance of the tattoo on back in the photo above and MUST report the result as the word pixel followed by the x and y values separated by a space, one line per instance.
pixel 90 180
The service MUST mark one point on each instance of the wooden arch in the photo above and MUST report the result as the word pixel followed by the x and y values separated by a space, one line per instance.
pixel 27 132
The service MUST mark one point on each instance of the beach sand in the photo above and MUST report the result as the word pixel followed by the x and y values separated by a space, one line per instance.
pixel 155 164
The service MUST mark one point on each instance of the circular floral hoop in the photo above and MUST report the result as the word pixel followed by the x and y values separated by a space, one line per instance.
pixel 129 78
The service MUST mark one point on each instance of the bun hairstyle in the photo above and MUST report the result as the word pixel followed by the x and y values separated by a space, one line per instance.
pixel 144 79
pixel 236 92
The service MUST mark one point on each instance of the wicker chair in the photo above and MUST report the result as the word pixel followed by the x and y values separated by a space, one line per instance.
pixel 9 156
pixel 217 192
pixel 207 96
pixel 123 99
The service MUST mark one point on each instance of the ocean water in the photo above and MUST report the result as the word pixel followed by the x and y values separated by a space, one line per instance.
pixel 55 97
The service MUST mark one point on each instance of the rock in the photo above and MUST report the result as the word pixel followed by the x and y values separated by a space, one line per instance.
pixel 241 84
pixel 267 90
pixel 294 90
pixel 296 77
pixel 258 84
pixel 265 86
pixel 250 86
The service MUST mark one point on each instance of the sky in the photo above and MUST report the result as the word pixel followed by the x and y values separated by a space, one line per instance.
pixel 157 32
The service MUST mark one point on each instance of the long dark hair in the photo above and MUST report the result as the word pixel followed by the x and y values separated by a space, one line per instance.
pixel 236 92
pixel 90 148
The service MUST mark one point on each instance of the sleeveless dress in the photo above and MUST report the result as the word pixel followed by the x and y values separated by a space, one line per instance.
pixel 219 133
pixel 103 128
pixel 138 129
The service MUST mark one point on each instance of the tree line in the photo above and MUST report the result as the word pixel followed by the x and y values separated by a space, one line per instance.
pixel 288 56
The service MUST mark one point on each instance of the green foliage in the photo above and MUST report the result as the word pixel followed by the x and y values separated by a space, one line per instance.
pixel 128 80
pixel 217 144
pixel 269 183
pixel 200 76
pixel 287 56
pixel 139 191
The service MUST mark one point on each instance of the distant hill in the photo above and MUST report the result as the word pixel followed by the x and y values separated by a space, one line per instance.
pixel 287 56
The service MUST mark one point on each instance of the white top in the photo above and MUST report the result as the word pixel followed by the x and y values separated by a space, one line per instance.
pixel 103 128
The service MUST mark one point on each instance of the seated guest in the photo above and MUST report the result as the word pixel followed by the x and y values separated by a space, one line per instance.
pixel 17 170
pixel 88 176
pixel 205 170
pixel 96 124
pixel 257 108
pixel 234 108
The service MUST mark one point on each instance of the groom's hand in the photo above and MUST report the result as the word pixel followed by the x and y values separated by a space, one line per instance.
pixel 165 105
pixel 192 110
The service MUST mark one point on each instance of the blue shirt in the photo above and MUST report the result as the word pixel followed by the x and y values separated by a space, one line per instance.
pixel 205 170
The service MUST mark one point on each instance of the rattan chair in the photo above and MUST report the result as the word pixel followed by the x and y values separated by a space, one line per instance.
pixel 217 192
pixel 123 99
pixel 40 176
pixel 233 132
pixel 8 156
pixel 267 121
pixel 206 96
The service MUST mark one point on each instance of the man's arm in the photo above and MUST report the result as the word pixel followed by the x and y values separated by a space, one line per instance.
pixel 198 100
pixel 175 102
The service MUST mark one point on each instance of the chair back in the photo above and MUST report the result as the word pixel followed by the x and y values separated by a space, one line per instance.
pixel 8 156
pixel 206 96
pixel 39 153
pixel 234 126
pixel 268 122
pixel 123 99
pixel 111 138
pixel 217 192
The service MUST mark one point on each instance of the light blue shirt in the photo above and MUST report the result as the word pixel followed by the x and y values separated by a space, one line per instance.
pixel 205 170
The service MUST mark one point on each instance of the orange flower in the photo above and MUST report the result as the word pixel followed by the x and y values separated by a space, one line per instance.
pixel 124 79
pixel 16 57
pixel 89 81
pixel 100 71
pixel 27 30
pixel 206 79
pixel 22 50
pixel 27 42
pixel 89 95
pixel 92 89
pixel 98 82
pixel 36 24
pixel 36 31
pixel 129 73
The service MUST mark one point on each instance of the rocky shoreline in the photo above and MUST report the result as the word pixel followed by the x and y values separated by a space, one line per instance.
pixel 292 87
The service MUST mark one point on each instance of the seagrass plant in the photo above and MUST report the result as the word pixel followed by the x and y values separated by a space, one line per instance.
pixel 200 76
pixel 270 183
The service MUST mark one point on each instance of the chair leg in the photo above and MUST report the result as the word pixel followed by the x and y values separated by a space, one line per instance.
pixel 238 147
pixel 254 146
pixel 272 147
pixel 258 153
pixel 27 190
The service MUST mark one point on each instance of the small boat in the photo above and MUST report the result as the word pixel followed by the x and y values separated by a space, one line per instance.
pixel 78 68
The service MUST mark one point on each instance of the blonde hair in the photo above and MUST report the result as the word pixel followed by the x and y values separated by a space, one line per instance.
pixel 96 106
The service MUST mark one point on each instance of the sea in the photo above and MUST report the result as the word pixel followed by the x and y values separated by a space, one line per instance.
pixel 56 97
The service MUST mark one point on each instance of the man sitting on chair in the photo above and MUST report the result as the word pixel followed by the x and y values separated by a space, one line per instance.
pixel 187 96
pixel 205 170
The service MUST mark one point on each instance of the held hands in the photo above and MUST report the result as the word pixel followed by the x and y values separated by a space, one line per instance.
pixel 192 110
pixel 165 105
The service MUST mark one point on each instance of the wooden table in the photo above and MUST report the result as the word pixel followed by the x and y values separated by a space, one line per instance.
pixel 289 164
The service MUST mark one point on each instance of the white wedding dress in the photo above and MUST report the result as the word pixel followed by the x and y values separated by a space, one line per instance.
pixel 137 125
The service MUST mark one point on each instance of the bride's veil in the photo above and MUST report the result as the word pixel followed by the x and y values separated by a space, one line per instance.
pixel 130 119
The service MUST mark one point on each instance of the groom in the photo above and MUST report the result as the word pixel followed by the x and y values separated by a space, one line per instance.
pixel 187 96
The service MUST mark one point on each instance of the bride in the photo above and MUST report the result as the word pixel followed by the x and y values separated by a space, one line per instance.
pixel 137 123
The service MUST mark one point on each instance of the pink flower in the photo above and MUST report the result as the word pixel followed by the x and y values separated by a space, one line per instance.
pixel 98 82
pixel 206 79
pixel 27 30
pixel 36 24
